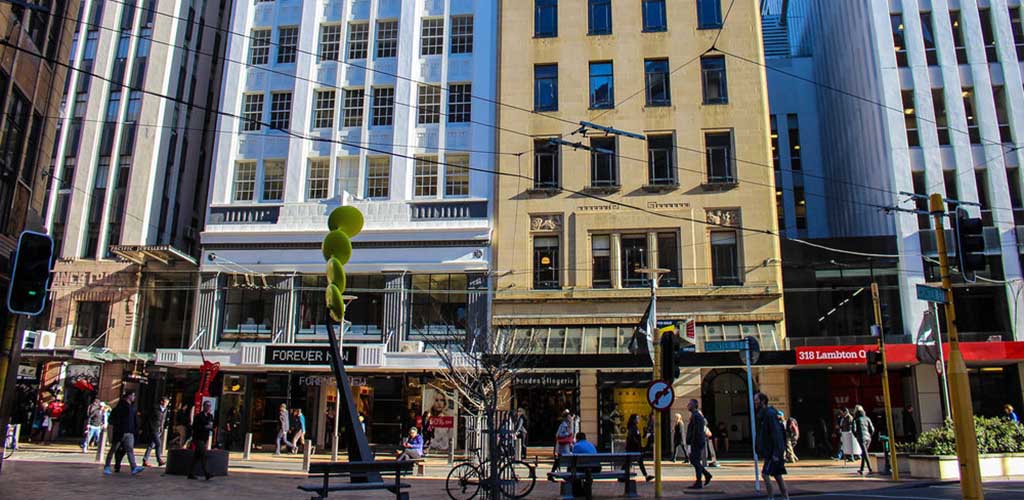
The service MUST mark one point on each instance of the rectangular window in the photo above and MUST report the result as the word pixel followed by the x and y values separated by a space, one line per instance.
pixel 358 40
pixel 456 175
pixel 780 207
pixel 800 200
pixel 318 179
pixel 599 17
pixel 245 181
pixel 323 109
pixel 432 37
pixel 633 256
pixel 545 87
pixel 725 269
pixel 656 82
pixel 462 34
pixel 718 151
pixel 460 102
pixel 429 105
pixel 973 131
pixel 668 258
pixel 910 118
pixel 273 180
pixel 654 16
pixel 352 108
pixel 602 85
pixel 716 89
pixel 287 44
pixel 346 180
pixel 545 18
pixel 1002 113
pixel 545 164
pixel 252 112
pixel 383 106
pixel 1018 31
pixel 775 143
pixel 709 14
pixel 259 46
pixel 330 42
pixel 425 176
pixel 378 177
pixel 899 39
pixel 930 53
pixel 387 39
pixel 604 171
pixel 958 36
pixel 793 131
pixel 941 123
pixel 1016 202
pixel 280 110
pixel 601 261
pixel 985 16
pixel 661 160
pixel 545 263
pixel 91 321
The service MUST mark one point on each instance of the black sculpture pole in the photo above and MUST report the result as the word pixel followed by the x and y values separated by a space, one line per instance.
pixel 358 446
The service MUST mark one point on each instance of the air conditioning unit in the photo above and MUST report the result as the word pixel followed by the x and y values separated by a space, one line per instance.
pixel 38 339
pixel 411 346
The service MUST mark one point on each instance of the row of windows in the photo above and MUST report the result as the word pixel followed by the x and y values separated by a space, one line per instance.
pixel 657 87
pixel 264 181
pixel 636 251
pixel 795 166
pixel 942 120
pixel 599 16
pixel 661 161
pixel 382 112
pixel 432 37
pixel 930 26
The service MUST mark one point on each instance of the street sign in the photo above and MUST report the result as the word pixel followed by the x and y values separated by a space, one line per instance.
pixel 725 345
pixel 754 348
pixel 931 294
pixel 660 395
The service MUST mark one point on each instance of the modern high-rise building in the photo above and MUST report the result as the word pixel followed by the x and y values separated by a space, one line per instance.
pixel 673 171
pixel 911 98
pixel 128 187
pixel 384 105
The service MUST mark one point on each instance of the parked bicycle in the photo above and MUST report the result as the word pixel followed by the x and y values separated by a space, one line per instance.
pixel 515 480
pixel 10 442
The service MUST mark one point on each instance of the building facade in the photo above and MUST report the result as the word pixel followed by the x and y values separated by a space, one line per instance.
pixel 683 181
pixel 384 105
pixel 127 194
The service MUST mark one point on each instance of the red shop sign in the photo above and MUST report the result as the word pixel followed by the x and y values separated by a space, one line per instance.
pixel 442 422
pixel 833 354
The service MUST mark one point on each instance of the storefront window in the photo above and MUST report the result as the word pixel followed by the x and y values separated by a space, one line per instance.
pixel 439 305
pixel 620 395
pixel 167 301
pixel 248 311
pixel 364 315
pixel 612 339
pixel 543 396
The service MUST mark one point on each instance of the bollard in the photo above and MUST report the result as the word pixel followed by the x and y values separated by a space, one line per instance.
pixel 248 446
pixel 102 444
pixel 307 449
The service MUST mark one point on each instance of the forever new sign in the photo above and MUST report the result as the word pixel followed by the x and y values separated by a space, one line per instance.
pixel 306 355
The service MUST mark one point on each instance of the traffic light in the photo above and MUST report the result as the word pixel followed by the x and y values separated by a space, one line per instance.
pixel 874 362
pixel 970 242
pixel 26 293
pixel 670 345
pixel 344 223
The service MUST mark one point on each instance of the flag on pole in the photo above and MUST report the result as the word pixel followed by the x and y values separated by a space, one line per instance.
pixel 651 327
pixel 636 344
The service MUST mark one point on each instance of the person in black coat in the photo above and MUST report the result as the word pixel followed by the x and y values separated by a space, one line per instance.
pixel 158 422
pixel 697 437
pixel 124 425
pixel 634 442
pixel 202 428
pixel 771 444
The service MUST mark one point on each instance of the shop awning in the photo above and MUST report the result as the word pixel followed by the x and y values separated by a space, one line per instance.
pixel 148 254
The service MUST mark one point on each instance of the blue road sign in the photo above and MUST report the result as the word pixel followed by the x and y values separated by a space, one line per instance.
pixel 726 345
pixel 931 294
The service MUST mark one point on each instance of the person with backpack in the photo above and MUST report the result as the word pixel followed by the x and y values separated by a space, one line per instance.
pixel 863 431
pixel 124 425
pixel 771 445
pixel 95 417
pixel 792 437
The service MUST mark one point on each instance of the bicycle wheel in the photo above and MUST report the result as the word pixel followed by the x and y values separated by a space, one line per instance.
pixel 9 448
pixel 516 479
pixel 463 482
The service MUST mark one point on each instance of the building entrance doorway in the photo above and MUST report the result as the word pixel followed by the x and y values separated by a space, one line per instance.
pixel 544 397
pixel 725 403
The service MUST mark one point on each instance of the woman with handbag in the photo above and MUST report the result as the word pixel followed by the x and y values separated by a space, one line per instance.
pixel 634 443
pixel 564 438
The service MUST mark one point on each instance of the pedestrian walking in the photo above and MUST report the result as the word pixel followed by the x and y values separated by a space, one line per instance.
pixel 697 436
pixel 678 438
pixel 792 438
pixel 94 419
pixel 723 436
pixel 299 421
pixel 202 427
pixel 634 443
pixel 157 427
pixel 851 446
pixel 412 446
pixel 771 445
pixel 124 425
pixel 909 424
pixel 522 431
pixel 1009 414
pixel 711 452
pixel 563 438
pixel 55 411
pixel 863 430
pixel 283 425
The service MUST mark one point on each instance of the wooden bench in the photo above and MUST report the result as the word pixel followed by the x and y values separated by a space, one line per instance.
pixel 583 470
pixel 359 470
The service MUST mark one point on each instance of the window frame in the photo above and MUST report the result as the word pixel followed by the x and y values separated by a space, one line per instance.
pixel 910 118
pixel 324 101
pixel 605 268
pixel 425 176
pixel 553 252
pixel 727 279
pixel 941 116
pixel 352 107
pixel 668 152
pixel 649 84
pixel 548 81
pixel 545 154
pixel 239 183
pixel 387 39
pixel 598 158
pixel 287 44
pixel 250 101
pixel 730 176
pixel 378 177
pixel 606 74
pixel 318 187
pixel 708 74
pixel 273 185
pixel 259 46
pixel 462 34
pixel 280 110
pixel 456 176
pixel 715 12
pixel 596 9
pixel 329 43
pixel 542 9
pixel 460 102
pixel 432 36
pixel 357 41
pixel 899 38
pixel 650 25
pixel 383 115
pixel 428 104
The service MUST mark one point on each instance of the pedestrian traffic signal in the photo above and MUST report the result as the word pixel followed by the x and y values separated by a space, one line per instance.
pixel 26 293
pixel 670 345
pixel 970 242
pixel 874 362
pixel 343 224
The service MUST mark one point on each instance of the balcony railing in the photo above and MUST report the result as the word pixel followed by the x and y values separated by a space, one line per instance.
pixel 244 215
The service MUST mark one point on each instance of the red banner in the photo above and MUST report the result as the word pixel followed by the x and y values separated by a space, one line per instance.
pixel 906 353
pixel 442 422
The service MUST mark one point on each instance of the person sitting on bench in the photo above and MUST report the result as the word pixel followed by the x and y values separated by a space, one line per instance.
pixel 583 447
pixel 413 445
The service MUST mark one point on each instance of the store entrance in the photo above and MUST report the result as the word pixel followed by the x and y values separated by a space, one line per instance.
pixel 724 400
pixel 620 395
pixel 544 397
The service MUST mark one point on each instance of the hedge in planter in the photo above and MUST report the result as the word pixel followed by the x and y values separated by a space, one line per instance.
pixel 995 435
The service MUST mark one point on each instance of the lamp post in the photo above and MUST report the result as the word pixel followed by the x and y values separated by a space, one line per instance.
pixel 654 347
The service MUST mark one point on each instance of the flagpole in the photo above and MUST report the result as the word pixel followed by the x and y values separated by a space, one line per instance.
pixel 654 349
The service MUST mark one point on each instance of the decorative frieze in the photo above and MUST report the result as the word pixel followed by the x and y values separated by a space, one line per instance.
pixel 546 222
pixel 729 217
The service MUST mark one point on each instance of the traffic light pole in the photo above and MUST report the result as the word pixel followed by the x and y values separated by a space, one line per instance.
pixel 960 389
pixel 7 354
pixel 893 465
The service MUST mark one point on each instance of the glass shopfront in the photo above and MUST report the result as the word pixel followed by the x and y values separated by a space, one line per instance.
pixel 620 395
pixel 544 396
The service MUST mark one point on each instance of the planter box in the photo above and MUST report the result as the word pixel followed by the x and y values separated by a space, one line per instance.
pixel 878 461
pixel 948 467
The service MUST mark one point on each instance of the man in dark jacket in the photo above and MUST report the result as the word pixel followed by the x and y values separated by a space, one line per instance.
pixel 863 430
pixel 771 445
pixel 698 440
pixel 123 428
pixel 202 427
pixel 157 426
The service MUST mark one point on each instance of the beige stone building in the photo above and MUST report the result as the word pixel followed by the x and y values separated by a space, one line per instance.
pixel 695 195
